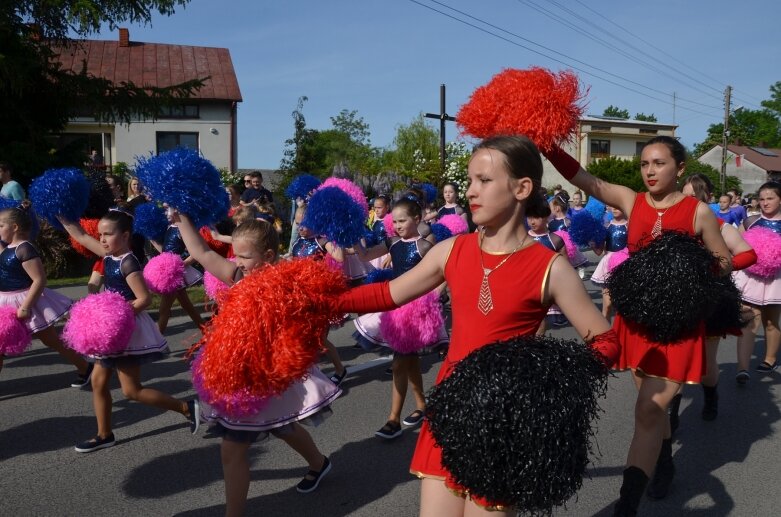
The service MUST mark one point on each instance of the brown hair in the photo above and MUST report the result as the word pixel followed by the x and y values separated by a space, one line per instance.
pixel 20 216
pixel 702 186
pixel 244 213
pixel 522 159
pixel 262 235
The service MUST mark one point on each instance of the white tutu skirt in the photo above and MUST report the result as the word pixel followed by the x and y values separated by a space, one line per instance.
pixel 602 271
pixel 192 276
pixel 301 401
pixel 146 339
pixel 50 307
pixel 757 290
pixel 368 326
pixel 579 259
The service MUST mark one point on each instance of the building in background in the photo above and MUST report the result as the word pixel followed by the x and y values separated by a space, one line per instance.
pixel 753 166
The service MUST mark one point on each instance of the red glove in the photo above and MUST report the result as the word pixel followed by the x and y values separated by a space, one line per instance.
pixel 744 259
pixel 607 344
pixel 367 298
pixel 563 162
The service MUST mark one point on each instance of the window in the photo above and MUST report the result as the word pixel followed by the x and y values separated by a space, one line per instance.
pixel 167 140
pixel 180 111
pixel 600 148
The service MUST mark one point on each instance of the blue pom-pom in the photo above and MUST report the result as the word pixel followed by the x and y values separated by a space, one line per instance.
pixel 186 181
pixel 150 221
pixel 301 186
pixel 441 232
pixel 595 207
pixel 379 275
pixel 63 192
pixel 585 230
pixel 430 191
pixel 372 239
pixel 7 202
pixel 333 213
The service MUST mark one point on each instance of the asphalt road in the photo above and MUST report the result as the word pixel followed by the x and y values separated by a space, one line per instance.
pixel 726 467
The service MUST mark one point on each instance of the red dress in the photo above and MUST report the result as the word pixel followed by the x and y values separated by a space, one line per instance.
pixel 682 360
pixel 517 292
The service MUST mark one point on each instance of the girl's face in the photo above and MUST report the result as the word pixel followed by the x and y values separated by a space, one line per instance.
pixel 449 194
pixel 7 230
pixel 380 209
pixel 724 202
pixel 305 233
pixel 617 213
pixel 754 202
pixel 112 240
pixel 555 209
pixel 248 257
pixel 659 170
pixel 688 190
pixel 769 202
pixel 537 224
pixel 406 226
pixel 134 186
pixel 577 200
pixel 493 195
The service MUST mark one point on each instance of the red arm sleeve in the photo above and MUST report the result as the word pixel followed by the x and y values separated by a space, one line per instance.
pixel 607 344
pixel 563 162
pixel 744 259
pixel 367 298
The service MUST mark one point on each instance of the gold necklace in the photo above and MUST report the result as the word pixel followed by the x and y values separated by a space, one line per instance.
pixel 656 229
pixel 485 302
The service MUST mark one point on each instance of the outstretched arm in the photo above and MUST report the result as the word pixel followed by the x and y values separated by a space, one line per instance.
pixel 79 235
pixel 211 261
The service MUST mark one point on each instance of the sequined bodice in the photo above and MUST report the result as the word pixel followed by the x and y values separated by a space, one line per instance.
pixel 114 279
pixel 307 248
pixel 172 242
pixel 557 224
pixel 405 255
pixel 771 224
pixel 617 236
pixel 544 239
pixel 13 277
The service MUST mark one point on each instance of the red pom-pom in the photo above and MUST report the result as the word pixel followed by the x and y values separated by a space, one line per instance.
pixel 538 103
pixel 15 337
pixel 260 352
pixel 90 228
pixel 164 274
pixel 100 324
pixel 413 325
pixel 222 248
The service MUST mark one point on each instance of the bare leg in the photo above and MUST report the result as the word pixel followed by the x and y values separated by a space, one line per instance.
pixel 651 422
pixel 711 377
pixel 770 315
pixel 415 378
pixel 101 398
pixel 399 390
pixel 436 500
pixel 50 338
pixel 542 328
pixel 189 308
pixel 164 311
pixel 333 355
pixel 129 379
pixel 235 470
pixel 607 304
pixel 746 341
pixel 301 441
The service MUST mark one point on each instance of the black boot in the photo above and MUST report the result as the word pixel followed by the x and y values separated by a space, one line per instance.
pixel 711 408
pixel 675 405
pixel 663 473
pixel 632 490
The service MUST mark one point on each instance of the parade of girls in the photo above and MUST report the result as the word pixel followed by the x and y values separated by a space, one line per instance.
pixel 506 419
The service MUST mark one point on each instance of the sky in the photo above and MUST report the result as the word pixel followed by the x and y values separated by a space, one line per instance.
pixel 386 59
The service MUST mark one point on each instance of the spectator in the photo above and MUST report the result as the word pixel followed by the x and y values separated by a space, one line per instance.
pixel 11 189
pixel 133 189
pixel 735 205
pixel 725 213
pixel 255 193
pixel 117 187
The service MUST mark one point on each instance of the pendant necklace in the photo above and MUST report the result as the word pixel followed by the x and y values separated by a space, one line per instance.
pixel 656 229
pixel 485 303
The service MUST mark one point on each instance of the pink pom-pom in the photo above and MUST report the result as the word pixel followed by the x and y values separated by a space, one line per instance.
pixel 164 274
pixel 213 286
pixel 414 325
pixel 100 324
pixel 239 404
pixel 767 246
pixel 351 189
pixel 387 222
pixel 15 337
pixel 572 250
pixel 617 258
pixel 454 223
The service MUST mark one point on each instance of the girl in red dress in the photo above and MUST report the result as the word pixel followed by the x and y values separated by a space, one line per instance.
pixel 502 283
pixel 658 370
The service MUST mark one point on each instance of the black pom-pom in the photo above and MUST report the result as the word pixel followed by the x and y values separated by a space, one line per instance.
pixel 514 420
pixel 726 315
pixel 668 287
pixel 101 198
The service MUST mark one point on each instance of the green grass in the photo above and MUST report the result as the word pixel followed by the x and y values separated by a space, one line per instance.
pixel 67 281
pixel 196 293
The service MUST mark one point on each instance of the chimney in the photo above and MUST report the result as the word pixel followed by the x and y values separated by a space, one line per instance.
pixel 124 37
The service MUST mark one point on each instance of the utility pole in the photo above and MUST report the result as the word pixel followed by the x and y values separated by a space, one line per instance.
pixel 674 99
pixel 443 117
pixel 724 140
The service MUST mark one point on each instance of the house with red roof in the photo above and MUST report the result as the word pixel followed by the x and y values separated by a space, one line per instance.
pixel 206 121
pixel 752 165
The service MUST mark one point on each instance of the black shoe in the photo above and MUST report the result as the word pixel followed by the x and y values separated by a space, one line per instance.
pixel 673 410
pixel 83 380
pixel 389 431
pixel 765 367
pixel 96 444
pixel 337 379
pixel 389 370
pixel 663 473
pixel 414 418
pixel 309 485
pixel 632 490
pixel 711 408
pixel 742 377
pixel 194 408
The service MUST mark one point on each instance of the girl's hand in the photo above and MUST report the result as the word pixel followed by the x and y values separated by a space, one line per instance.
pixel 22 313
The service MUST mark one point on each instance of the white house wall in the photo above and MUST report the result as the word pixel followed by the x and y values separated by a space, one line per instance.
pixel 751 176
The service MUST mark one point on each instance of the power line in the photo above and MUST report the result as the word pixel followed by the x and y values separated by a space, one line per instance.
pixel 567 64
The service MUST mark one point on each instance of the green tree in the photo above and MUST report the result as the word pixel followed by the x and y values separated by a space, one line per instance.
pixel 618 171
pixel 749 127
pixel 774 103
pixel 37 97
pixel 614 111
pixel 415 151
pixel 645 118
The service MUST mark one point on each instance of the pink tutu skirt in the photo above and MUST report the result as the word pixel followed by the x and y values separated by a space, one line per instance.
pixel 602 271
pixel 301 401
pixel 192 276
pixel 368 326
pixel 757 290
pixel 50 307
pixel 146 339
